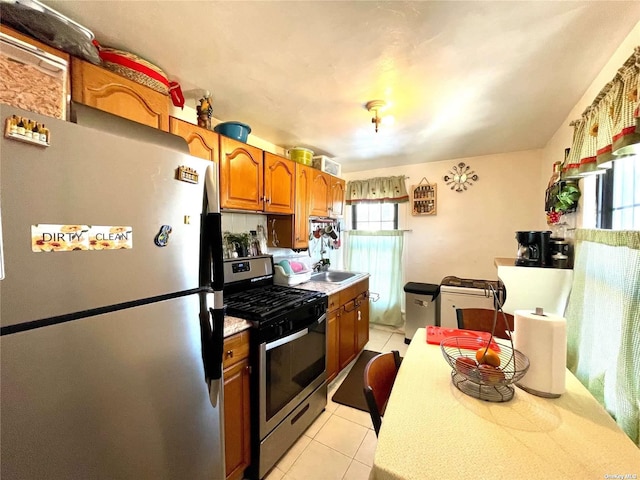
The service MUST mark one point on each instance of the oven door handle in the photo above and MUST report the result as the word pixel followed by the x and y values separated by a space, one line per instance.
pixel 290 338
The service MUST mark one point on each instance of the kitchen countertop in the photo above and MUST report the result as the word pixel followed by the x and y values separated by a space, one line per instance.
pixel 504 262
pixel 233 325
pixel 432 430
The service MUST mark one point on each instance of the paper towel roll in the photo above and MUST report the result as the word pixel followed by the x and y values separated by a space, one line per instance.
pixel 543 339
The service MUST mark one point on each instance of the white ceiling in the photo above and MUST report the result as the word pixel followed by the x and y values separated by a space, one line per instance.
pixel 463 78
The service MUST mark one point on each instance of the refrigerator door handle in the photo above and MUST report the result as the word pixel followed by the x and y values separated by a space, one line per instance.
pixel 216 343
pixel 212 326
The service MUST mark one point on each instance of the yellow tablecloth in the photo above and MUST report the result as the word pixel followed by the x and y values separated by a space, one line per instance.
pixel 431 430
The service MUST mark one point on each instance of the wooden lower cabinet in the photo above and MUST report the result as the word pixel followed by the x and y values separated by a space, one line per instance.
pixel 350 333
pixel 333 319
pixel 347 334
pixel 237 414
pixel 362 320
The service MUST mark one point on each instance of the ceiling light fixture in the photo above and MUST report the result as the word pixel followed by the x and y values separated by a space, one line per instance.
pixel 374 106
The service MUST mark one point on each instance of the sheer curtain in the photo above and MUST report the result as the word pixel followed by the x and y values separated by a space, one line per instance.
pixel 380 254
pixel 603 322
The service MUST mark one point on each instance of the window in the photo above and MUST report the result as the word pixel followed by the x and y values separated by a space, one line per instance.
pixel 374 216
pixel 618 195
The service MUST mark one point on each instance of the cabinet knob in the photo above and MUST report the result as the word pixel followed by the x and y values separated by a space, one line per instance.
pixel 230 353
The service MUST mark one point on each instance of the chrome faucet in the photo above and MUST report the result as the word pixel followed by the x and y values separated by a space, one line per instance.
pixel 322 265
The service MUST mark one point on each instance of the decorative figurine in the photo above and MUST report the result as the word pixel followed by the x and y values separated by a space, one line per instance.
pixel 205 110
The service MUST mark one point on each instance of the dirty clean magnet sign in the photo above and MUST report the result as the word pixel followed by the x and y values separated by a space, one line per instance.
pixel 66 238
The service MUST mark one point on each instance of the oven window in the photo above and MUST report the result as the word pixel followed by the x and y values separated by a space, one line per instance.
pixel 293 366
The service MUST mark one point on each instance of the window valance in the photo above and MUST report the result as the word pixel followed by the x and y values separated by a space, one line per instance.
pixel 377 190
pixel 610 127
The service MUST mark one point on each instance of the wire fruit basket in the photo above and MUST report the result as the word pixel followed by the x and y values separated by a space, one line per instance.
pixel 474 370
pixel 483 369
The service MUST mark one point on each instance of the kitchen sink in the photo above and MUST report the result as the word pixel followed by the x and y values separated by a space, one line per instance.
pixel 332 277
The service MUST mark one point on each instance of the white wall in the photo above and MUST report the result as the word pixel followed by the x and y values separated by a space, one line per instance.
pixel 473 227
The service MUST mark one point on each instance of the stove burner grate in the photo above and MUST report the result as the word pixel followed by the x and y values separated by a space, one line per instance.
pixel 266 302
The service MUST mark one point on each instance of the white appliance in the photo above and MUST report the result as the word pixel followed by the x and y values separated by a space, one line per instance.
pixel 531 287
pixel 464 293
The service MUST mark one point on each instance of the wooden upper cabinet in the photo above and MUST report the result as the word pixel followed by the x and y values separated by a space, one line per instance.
pixel 321 201
pixel 241 175
pixel 110 92
pixel 292 231
pixel 338 186
pixel 303 192
pixel 202 143
pixel 279 184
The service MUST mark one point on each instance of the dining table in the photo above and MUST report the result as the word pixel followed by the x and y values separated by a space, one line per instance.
pixel 432 430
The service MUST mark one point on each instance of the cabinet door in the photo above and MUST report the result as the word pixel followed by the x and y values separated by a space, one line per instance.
pixel 347 334
pixel 333 364
pixel 320 193
pixel 362 314
pixel 279 184
pixel 362 321
pixel 236 419
pixel 241 175
pixel 202 143
pixel 108 91
pixel 337 197
pixel 301 220
pixel 292 231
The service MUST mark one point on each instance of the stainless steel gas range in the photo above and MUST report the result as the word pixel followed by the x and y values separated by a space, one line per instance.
pixel 288 346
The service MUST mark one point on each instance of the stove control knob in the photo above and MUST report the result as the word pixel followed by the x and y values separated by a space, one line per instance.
pixel 290 325
pixel 279 329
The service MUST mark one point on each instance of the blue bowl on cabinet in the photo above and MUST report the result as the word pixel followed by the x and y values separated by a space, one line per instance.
pixel 235 130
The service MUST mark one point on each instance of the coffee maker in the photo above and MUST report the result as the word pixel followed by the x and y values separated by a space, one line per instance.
pixel 534 248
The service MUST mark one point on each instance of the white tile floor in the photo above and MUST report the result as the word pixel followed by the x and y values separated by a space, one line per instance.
pixel 340 444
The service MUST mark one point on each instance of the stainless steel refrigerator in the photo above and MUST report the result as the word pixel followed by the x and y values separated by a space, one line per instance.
pixel 111 307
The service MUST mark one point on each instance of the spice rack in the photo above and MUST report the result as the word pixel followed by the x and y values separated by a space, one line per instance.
pixel 26 131
pixel 424 198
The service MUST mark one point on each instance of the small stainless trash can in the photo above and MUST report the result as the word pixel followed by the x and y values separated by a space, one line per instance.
pixel 420 299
